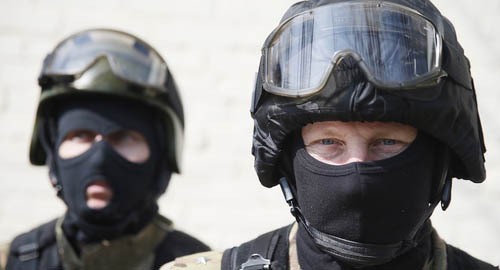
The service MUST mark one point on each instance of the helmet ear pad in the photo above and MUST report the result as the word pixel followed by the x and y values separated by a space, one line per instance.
pixel 164 171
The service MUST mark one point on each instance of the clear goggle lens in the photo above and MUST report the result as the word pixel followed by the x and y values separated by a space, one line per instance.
pixel 395 46
pixel 129 58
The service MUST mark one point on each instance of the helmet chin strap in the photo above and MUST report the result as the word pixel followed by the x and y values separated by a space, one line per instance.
pixel 47 135
pixel 443 184
pixel 355 253
pixel 446 195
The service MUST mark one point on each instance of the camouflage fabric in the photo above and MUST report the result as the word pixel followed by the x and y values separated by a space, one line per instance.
pixel 292 248
pixel 130 252
pixel 212 260
pixel 46 247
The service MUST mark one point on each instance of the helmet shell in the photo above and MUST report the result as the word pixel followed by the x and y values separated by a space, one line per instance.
pixel 447 111
pixel 98 81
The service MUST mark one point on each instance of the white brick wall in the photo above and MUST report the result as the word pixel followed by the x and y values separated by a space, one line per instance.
pixel 213 48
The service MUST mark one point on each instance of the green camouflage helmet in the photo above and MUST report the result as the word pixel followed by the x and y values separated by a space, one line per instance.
pixel 108 63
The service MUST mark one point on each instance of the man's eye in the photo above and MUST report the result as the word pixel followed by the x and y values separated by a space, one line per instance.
pixel 388 142
pixel 326 150
pixel 384 148
pixel 327 141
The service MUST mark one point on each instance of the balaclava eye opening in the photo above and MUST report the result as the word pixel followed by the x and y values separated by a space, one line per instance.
pixel 135 186
pixel 365 213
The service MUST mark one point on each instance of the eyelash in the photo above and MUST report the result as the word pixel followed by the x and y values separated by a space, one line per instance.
pixel 330 141
pixel 388 141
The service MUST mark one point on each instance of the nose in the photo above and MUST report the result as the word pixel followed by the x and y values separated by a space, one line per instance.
pixel 99 155
pixel 357 153
pixel 98 138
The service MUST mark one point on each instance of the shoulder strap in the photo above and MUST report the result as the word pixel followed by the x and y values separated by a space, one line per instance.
pixel 268 251
pixel 26 250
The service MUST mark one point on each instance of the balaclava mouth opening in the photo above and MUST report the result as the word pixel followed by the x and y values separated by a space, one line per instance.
pixel 134 185
pixel 365 213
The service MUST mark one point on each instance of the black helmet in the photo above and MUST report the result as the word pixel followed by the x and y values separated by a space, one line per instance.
pixel 109 63
pixel 437 97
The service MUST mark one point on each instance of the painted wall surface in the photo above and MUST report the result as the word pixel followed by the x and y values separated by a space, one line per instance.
pixel 213 49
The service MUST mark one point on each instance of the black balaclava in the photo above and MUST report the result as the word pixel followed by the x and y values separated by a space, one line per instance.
pixel 136 186
pixel 379 202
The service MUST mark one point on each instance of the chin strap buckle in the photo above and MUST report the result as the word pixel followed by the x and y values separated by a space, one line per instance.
pixel 256 262
pixel 446 195
pixel 289 197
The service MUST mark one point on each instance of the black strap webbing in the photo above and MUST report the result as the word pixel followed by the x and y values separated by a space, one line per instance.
pixel 28 253
pixel 36 249
pixel 268 251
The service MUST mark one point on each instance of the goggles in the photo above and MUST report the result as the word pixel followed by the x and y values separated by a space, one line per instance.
pixel 396 47
pixel 130 58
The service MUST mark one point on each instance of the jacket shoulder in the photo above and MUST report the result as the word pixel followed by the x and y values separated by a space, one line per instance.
pixel 175 243
pixel 32 245
pixel 210 260
pixel 458 259
pixel 43 235
pixel 185 244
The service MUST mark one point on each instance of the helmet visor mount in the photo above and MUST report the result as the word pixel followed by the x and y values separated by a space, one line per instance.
pixel 130 59
pixel 395 46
